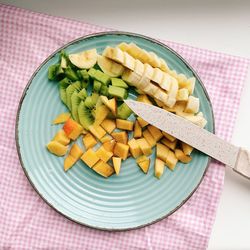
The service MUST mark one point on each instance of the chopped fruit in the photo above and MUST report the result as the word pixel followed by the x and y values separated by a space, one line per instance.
pixel 142 122
pixel 159 168
pixel 182 95
pixel 134 148
pixel 97 86
pixel 193 104
pixel 143 164
pixel 123 111
pixel 99 76
pixel 142 158
pixel 161 151
pixel 124 124
pixel 108 125
pixel 187 149
pixel 109 145
pixel 100 114
pixel 89 141
pixel 72 129
pixel 57 148
pixel 106 138
pixel 171 160
pixel 117 164
pixel 74 155
pixel 97 131
pixel 182 157
pixel 61 118
pixel 103 168
pixel 137 130
pixel 61 137
pixel 117 92
pixel 120 137
pixel 90 158
pixel 143 98
pixel 155 132
pixel 84 131
pixel 111 104
pixel 119 83
pixel 149 138
pixel 121 150
pixel 144 146
pixel 103 154
pixel 85 117
pixel 168 136
pixel 171 145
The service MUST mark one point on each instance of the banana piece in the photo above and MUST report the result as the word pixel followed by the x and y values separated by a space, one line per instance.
pixel 150 89
pixel 173 88
pixel 148 71
pixel 198 119
pixel 191 85
pixel 129 61
pixel 85 59
pixel 131 77
pixel 157 76
pixel 182 95
pixel 173 73
pixel 166 82
pixel 170 102
pixel 164 67
pixel 110 67
pixel 144 56
pixel 135 51
pixel 161 95
pixel 143 82
pixel 159 103
pixel 193 105
pixel 139 67
pixel 178 107
pixel 114 53
pixel 154 61
pixel 182 79
pixel 123 46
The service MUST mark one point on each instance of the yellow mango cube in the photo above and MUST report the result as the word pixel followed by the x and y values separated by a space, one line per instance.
pixel 144 165
pixel 103 154
pixel 106 138
pixel 90 158
pixel 97 131
pixel 61 137
pixel 149 138
pixel 142 122
pixel 103 169
pixel 57 148
pixel 181 156
pixel 63 117
pixel 120 137
pixel 155 132
pixel 117 164
pixel 143 98
pixel 171 145
pixel 137 130
pixel 171 160
pixel 159 168
pixel 108 125
pixel 124 124
pixel 168 136
pixel 144 146
pixel 161 151
pixel 134 148
pixel 121 150
pixel 89 141
pixel 187 149
pixel 109 145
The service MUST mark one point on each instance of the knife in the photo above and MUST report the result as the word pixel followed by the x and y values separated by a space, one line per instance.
pixel 235 157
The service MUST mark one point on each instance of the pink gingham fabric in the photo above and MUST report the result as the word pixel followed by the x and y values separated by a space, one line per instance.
pixel 26 221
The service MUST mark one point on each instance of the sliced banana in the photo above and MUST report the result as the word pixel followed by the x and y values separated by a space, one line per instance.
pixel 193 105
pixel 114 53
pixel 182 95
pixel 134 50
pixel 164 67
pixel 182 79
pixel 144 56
pixel 161 95
pixel 131 77
pixel 157 76
pixel 143 82
pixel 110 67
pixel 166 82
pixel 139 67
pixel 85 59
pixel 178 107
pixel 198 119
pixel 123 46
pixel 154 60
pixel 148 71
pixel 159 103
pixel 191 84
pixel 173 88
pixel 129 61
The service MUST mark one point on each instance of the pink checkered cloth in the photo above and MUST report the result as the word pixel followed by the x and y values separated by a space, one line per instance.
pixel 26 221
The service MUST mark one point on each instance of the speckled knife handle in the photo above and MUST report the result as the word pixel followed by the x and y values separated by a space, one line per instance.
pixel 242 165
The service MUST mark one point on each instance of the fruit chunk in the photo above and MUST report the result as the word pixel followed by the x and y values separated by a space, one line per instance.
pixel 74 155
pixel 109 145
pixel 142 158
pixel 97 131
pixel 134 148
pixel 119 83
pixel 90 158
pixel 89 141
pixel 117 92
pixel 121 150
pixel 193 104
pixel 161 151
pixel 83 94
pixel 111 104
pixel 181 156
pixel 114 53
pixel 99 76
pixel 97 86
pixel 106 138
pixel 100 114
pixel 159 168
pixel 109 67
pixel 63 117
pixel 149 138
pixel 72 129
pixel 137 130
pixel 143 163
pixel 155 132
pixel 187 149
pixel 120 137
pixel 123 111
pixel 85 117
pixel 108 125
pixel 142 122
pixel 171 160
pixel 124 124
pixel 57 148
pixel 169 144
pixel 75 101
pixel 117 164
pixel 85 59
pixel 103 168
pixel 168 136
pixel 143 98
pixel 144 146
pixel 103 154
pixel 182 95
pixel 61 137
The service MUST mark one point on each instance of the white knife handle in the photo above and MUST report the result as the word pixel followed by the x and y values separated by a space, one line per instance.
pixel 242 165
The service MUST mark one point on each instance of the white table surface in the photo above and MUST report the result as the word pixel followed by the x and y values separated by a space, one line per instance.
pixel 216 25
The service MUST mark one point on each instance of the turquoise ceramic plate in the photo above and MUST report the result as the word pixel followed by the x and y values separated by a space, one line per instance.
pixel 127 201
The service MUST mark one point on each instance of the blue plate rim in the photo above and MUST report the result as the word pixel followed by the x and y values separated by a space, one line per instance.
pixel 93 35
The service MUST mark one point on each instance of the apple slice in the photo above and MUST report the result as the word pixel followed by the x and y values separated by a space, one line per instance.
pixel 111 104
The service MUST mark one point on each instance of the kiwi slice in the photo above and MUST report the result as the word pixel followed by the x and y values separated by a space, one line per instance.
pixel 62 90
pixel 123 111
pixel 75 101
pixel 97 86
pixel 70 90
pixel 85 117
pixel 83 94
pixel 71 74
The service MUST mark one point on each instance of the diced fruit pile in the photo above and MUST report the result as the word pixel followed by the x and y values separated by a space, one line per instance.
pixel 93 88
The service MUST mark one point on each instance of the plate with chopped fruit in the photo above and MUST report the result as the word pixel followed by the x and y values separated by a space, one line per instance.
pixel 87 154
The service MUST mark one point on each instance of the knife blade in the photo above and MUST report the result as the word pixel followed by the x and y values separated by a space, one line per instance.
pixel 203 140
